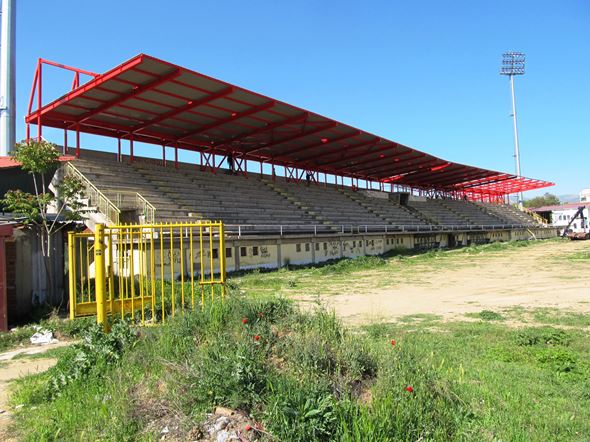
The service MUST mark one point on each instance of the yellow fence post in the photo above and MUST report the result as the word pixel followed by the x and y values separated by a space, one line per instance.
pixel 72 274
pixel 99 276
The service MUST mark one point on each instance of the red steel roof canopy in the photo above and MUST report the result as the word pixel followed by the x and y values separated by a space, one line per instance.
pixel 149 100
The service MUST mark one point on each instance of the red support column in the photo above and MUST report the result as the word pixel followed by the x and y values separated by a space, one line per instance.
pixel 164 155
pixel 119 159
pixel 131 149
pixel 77 141
pixel 65 148
pixel 39 103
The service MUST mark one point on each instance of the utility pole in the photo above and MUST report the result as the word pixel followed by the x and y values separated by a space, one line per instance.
pixel 513 64
pixel 7 77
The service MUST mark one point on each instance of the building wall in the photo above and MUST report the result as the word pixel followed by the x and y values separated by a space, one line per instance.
pixel 561 218
pixel 273 252
pixel 31 284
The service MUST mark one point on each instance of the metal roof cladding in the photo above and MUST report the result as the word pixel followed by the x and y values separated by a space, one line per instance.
pixel 153 101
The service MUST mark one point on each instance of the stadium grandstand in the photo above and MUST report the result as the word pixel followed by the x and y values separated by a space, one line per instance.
pixel 291 186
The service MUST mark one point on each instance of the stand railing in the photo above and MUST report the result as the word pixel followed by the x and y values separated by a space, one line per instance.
pixel 140 204
pixel 96 198
pixel 240 230
pixel 535 216
pixel 146 208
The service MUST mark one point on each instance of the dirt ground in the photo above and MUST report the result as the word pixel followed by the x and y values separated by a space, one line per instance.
pixel 14 364
pixel 542 275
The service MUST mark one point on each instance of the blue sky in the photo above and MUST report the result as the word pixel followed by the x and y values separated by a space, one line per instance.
pixel 423 73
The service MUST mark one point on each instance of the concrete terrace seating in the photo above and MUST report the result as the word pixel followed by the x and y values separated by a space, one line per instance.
pixel 329 204
pixel 510 214
pixel 435 210
pixel 474 213
pixel 187 193
pixel 394 214
pixel 234 199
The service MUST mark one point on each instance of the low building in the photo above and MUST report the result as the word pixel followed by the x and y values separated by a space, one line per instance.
pixel 560 216
pixel 585 196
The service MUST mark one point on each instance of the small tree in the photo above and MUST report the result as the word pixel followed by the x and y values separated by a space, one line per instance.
pixel 38 158
pixel 548 199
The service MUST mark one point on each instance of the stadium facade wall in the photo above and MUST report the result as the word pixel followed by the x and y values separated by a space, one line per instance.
pixel 275 252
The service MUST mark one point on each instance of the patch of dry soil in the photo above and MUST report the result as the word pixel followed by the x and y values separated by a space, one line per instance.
pixel 536 276
pixel 12 369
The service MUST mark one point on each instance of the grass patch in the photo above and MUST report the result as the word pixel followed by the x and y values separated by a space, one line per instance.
pixel 307 378
pixel 559 317
pixel 517 384
pixel 486 315
pixel 580 256
pixel 420 317
pixel 302 375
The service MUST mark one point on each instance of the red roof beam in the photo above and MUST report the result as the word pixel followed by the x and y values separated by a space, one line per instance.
pixel 444 174
pixel 294 137
pixel 190 86
pixel 408 170
pixel 387 164
pixel 466 174
pixel 234 116
pixel 342 150
pixel 263 129
pixel 430 171
pixel 396 157
pixel 191 104
pixel 325 141
pixel 485 180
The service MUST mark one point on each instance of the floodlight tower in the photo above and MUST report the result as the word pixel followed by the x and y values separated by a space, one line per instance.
pixel 7 77
pixel 513 64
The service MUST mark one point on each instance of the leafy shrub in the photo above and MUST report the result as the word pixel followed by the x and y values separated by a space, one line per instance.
pixel 542 336
pixel 303 412
pixel 559 360
pixel 96 352
pixel 226 372
pixel 489 315
pixel 348 265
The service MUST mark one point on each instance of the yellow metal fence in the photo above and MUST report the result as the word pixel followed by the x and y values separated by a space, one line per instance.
pixel 145 272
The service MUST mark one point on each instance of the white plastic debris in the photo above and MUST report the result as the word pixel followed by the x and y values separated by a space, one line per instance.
pixel 222 436
pixel 221 423
pixel 43 337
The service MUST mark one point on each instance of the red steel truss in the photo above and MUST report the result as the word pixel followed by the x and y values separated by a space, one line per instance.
pixel 152 101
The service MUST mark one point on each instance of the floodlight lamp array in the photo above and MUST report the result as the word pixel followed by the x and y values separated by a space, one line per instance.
pixel 512 63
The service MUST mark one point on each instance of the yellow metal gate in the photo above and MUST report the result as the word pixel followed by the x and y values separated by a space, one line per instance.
pixel 145 272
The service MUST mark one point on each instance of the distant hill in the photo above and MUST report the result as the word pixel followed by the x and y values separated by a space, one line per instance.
pixel 571 198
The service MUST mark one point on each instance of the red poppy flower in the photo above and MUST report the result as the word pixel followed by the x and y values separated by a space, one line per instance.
pixel 248 427
pixel 409 389
pixel 393 342
pixel 257 338
pixel 244 320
